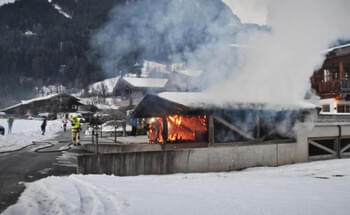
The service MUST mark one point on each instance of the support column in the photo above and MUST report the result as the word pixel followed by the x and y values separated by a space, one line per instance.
pixel 341 71
pixel 258 135
pixel 165 129
pixel 211 134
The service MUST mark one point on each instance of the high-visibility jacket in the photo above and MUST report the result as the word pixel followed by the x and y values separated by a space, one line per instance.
pixel 75 125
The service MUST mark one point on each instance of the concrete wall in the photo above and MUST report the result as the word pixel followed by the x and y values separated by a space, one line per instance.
pixel 160 159
pixel 211 159
pixel 116 148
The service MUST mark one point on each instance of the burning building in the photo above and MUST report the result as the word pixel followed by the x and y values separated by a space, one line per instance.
pixel 182 118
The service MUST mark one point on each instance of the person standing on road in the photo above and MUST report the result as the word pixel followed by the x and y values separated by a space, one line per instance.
pixel 124 127
pixel 133 123
pixel 43 126
pixel 10 124
pixel 75 122
pixel 64 122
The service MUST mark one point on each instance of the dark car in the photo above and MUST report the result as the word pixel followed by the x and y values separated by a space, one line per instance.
pixel 2 130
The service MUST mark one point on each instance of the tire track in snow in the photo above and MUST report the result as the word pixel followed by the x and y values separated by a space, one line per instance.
pixel 100 201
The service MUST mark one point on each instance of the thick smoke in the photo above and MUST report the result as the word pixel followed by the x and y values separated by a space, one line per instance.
pixel 272 63
pixel 275 66
pixel 164 31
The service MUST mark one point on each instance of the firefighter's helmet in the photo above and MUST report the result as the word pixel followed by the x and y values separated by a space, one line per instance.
pixel 74 116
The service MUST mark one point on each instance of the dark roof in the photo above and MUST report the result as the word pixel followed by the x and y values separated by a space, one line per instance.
pixel 153 106
pixel 156 106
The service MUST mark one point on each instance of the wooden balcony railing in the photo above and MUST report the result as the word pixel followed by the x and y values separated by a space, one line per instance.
pixel 334 86
pixel 345 86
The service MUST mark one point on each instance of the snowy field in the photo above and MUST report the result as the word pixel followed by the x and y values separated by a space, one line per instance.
pixel 26 131
pixel 310 188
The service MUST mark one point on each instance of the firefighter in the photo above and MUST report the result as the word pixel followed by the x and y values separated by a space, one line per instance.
pixel 75 122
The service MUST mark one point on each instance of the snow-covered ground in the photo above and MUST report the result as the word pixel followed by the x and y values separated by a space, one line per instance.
pixel 26 131
pixel 309 188
pixel 3 2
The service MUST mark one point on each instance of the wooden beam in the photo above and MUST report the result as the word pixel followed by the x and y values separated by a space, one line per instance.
pixel 211 134
pixel 165 129
pixel 341 71
pixel 345 148
pixel 258 127
pixel 233 128
pixel 322 147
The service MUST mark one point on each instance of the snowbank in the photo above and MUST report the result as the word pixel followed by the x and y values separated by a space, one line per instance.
pixel 26 131
pixel 310 188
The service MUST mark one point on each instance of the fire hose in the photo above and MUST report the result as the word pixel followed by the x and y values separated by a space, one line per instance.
pixel 49 145
pixel 17 150
pixel 40 150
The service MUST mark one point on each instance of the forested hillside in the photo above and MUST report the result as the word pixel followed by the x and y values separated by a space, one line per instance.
pixel 44 43
pixel 77 42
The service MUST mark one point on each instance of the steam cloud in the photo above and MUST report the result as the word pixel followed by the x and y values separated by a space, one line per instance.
pixel 272 64
pixel 276 65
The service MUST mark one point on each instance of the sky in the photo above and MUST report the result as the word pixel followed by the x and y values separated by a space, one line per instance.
pixel 249 11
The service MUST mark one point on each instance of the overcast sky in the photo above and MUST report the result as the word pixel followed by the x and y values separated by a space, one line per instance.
pixel 249 11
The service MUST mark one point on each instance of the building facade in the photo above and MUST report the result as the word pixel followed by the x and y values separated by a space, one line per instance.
pixel 332 81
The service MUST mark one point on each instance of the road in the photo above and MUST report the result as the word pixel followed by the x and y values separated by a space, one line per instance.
pixel 28 166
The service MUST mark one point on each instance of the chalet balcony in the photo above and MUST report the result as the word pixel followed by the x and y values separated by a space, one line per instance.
pixel 345 86
pixel 334 86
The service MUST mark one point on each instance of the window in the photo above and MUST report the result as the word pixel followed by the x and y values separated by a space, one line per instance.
pixel 325 108
pixel 341 109
pixel 347 108
pixel 327 76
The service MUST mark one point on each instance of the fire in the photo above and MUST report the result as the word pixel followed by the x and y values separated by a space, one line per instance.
pixel 186 128
pixel 155 130
pixel 180 128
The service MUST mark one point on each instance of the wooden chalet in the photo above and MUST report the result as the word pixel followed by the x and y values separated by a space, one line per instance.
pixel 332 81
pixel 55 103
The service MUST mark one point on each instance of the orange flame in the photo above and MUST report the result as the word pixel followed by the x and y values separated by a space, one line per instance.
pixel 155 130
pixel 180 128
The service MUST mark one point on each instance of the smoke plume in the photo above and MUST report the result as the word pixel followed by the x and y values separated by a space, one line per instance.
pixel 165 31
pixel 275 66
pixel 270 64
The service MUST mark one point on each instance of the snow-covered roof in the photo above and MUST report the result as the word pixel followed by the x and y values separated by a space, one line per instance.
pixel 337 47
pixel 24 102
pixel 204 99
pixel 146 82
pixel 108 84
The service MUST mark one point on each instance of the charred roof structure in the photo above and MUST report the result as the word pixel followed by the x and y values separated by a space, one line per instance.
pixel 174 120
